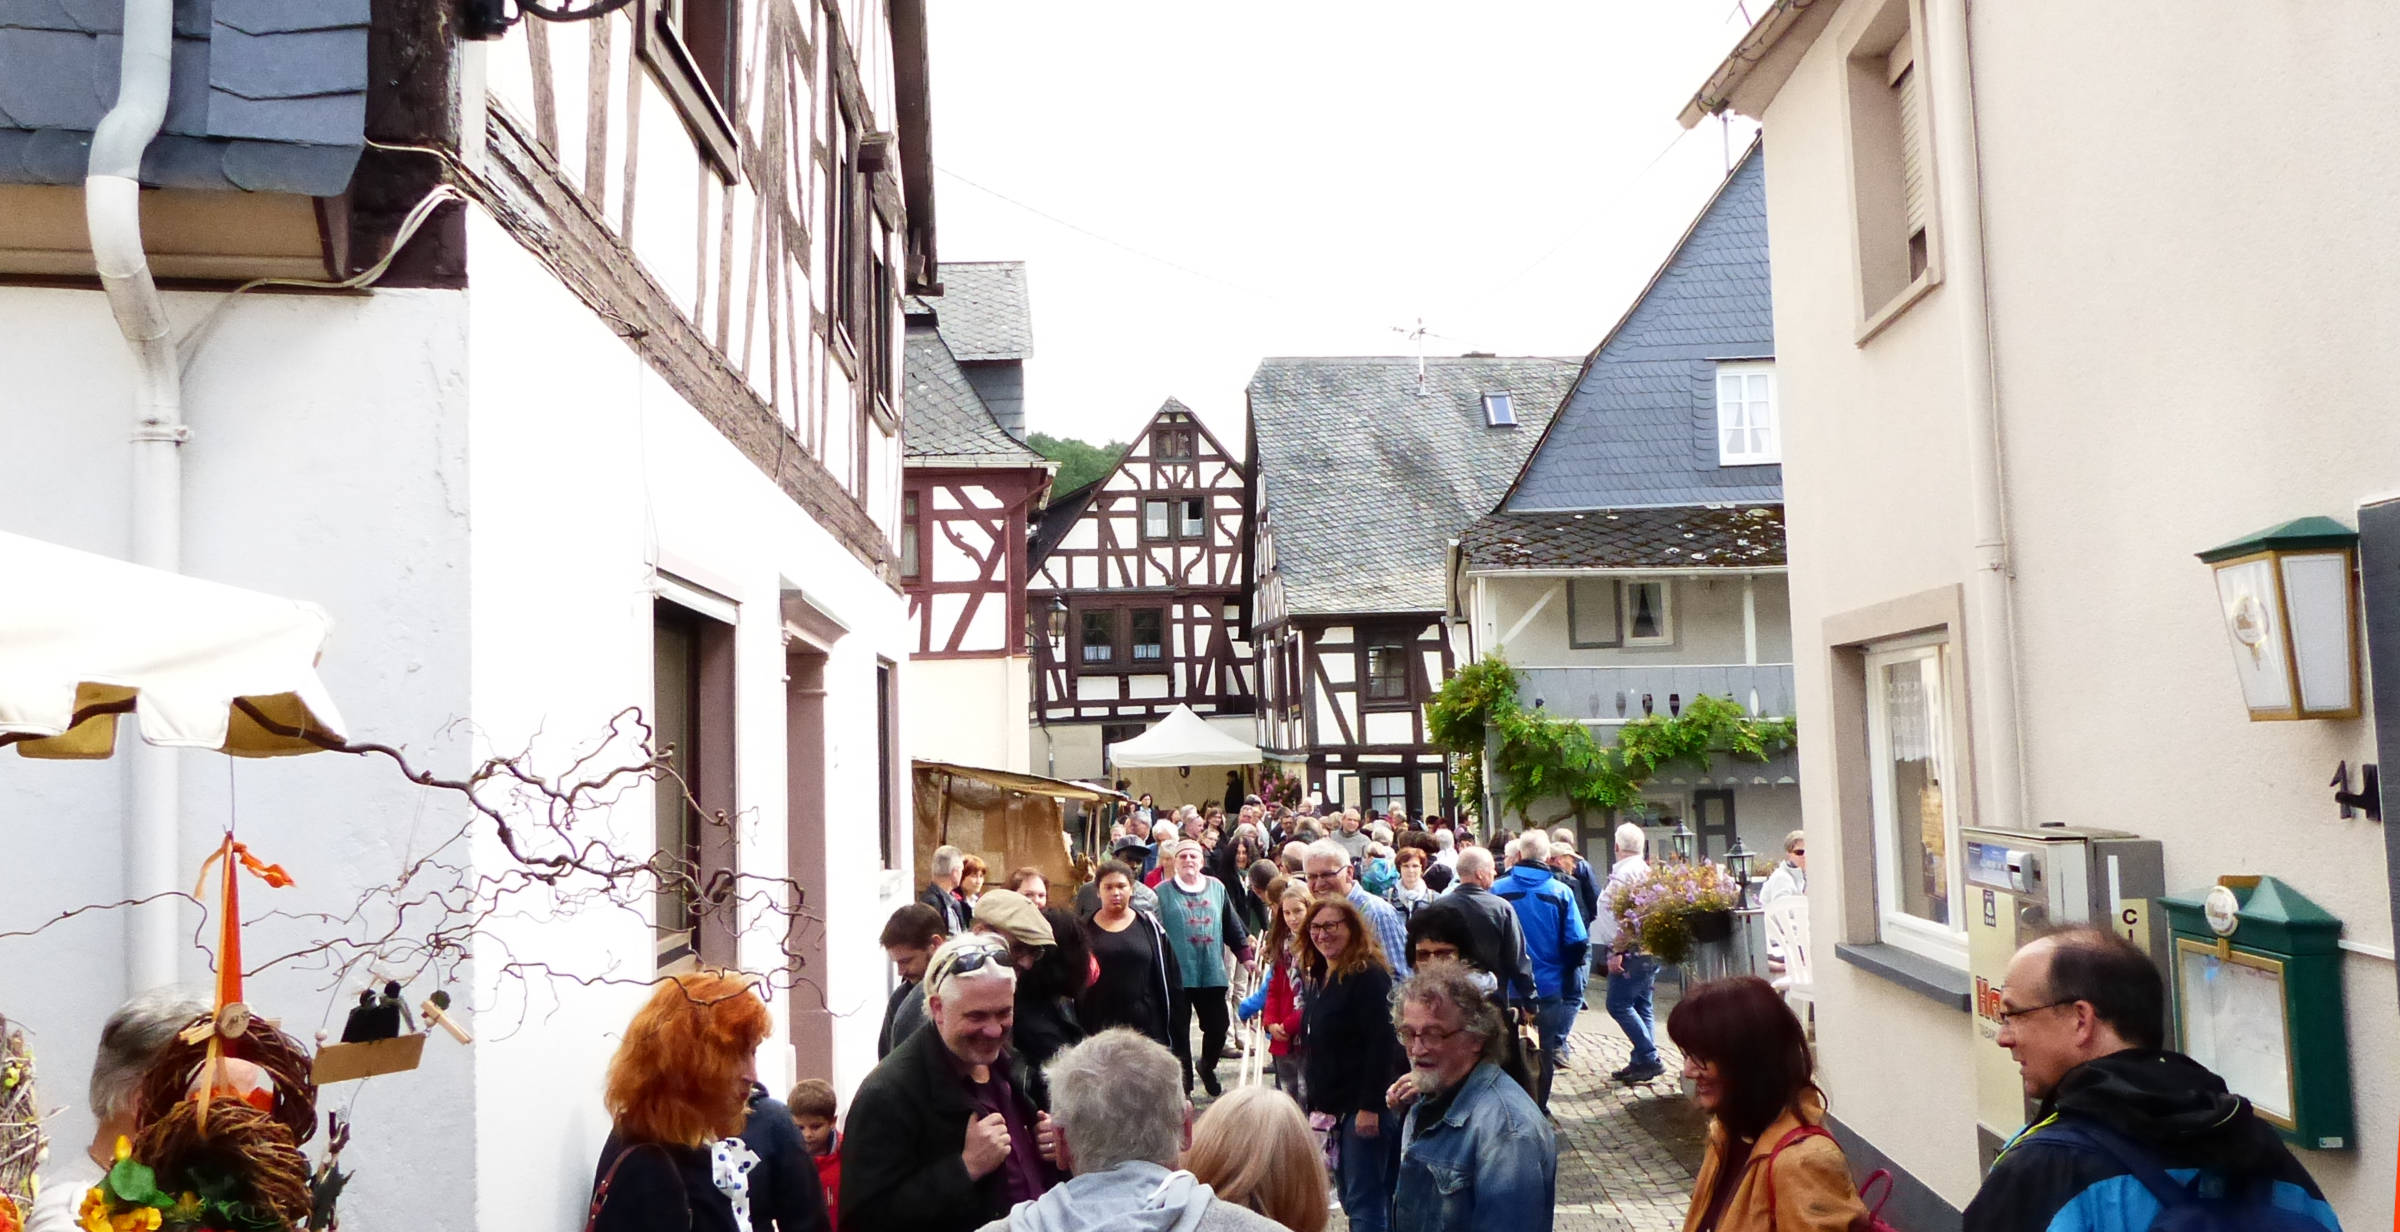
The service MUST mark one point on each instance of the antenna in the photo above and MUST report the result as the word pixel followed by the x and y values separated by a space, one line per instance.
pixel 1418 336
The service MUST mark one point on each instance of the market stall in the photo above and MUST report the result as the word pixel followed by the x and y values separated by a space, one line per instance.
pixel 1182 759
pixel 1011 820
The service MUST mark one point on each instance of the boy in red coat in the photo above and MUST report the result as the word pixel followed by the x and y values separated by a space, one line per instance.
pixel 811 1102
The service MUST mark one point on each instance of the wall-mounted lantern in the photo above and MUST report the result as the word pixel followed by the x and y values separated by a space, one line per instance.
pixel 2289 598
pixel 1058 625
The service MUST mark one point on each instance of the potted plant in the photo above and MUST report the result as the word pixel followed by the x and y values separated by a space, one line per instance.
pixel 1679 904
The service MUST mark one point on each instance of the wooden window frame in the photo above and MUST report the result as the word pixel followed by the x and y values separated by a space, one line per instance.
pixel 1368 699
pixel 1741 371
pixel 660 43
pixel 912 536
pixel 1114 663
pixel 1615 621
pixel 706 761
pixel 1185 435
pixel 1134 661
pixel 1175 501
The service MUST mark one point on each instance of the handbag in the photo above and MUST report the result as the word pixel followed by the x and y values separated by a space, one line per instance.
pixel 1875 1220
pixel 608 1178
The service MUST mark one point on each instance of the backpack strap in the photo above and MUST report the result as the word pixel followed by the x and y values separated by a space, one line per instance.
pixel 608 1178
pixel 2100 1139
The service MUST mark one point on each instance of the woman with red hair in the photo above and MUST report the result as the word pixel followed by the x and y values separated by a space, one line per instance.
pixel 695 1142
pixel 1771 1165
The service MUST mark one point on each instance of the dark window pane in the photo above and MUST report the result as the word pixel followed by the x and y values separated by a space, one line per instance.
pixel 1100 637
pixel 1387 670
pixel 1149 636
pixel 1195 517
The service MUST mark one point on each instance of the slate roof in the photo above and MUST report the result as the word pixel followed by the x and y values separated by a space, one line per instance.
pixel 1653 537
pixel 1366 482
pixel 948 423
pixel 982 308
pixel 1640 426
pixel 1057 518
pixel 266 95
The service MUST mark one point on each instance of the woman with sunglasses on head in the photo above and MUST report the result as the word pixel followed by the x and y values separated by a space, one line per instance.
pixel 1771 1165
pixel 1349 1055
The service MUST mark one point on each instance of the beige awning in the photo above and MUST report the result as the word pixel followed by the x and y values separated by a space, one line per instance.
pixel 1030 784
pixel 85 638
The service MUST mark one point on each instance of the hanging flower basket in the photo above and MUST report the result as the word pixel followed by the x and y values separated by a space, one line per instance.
pixel 1678 905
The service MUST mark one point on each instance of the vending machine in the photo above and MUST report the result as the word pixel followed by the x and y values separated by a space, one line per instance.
pixel 2021 884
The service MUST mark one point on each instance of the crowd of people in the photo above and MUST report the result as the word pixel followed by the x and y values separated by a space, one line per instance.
pixel 1415 991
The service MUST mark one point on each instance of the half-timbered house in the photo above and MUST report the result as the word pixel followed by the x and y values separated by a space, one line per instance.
pixel 592 402
pixel 967 503
pixel 1363 472
pixel 1140 582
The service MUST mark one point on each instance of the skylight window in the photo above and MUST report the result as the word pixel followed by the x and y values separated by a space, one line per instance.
pixel 1499 410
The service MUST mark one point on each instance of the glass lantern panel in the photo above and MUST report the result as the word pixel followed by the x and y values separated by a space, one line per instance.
pixel 2316 587
pixel 2254 621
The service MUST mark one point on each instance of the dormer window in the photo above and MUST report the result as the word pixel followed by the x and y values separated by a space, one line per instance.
pixel 1500 410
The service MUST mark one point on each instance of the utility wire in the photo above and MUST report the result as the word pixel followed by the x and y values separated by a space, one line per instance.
pixel 1113 242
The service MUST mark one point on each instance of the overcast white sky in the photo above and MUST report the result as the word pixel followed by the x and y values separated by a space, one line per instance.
pixel 1237 179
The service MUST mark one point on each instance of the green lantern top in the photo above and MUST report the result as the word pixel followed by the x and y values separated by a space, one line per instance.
pixel 2295 535
pixel 2274 917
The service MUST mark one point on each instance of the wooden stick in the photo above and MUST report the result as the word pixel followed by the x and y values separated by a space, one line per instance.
pixel 434 1016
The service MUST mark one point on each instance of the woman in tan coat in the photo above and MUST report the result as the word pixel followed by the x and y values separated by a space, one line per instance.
pixel 1771 1166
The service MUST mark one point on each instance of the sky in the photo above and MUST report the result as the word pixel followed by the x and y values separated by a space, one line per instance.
pixel 1194 187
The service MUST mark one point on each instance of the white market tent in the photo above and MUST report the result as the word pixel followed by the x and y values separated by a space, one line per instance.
pixel 85 638
pixel 1181 739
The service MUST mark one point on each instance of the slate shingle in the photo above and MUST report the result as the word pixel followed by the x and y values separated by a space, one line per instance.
pixel 266 95
pixel 1640 426
pixel 1651 537
pixel 1366 481
pixel 983 310
pixel 947 421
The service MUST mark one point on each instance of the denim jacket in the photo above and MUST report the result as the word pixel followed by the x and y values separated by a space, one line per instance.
pixel 1487 1163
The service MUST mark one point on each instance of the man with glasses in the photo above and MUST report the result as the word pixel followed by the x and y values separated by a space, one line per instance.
pixel 1327 865
pixel 1475 1153
pixel 941 1136
pixel 2125 1129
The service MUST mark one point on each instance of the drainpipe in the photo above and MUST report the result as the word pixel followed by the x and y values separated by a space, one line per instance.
pixel 1999 747
pixel 112 211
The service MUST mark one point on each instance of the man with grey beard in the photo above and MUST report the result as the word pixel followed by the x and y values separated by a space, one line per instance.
pixel 1475 1153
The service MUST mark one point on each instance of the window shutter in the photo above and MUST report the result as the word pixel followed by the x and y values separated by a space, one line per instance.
pixel 1912 134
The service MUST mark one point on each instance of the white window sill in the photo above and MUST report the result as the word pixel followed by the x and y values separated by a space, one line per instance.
pixel 1898 304
pixel 1932 979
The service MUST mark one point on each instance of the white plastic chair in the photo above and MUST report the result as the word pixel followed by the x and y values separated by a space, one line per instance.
pixel 1787 930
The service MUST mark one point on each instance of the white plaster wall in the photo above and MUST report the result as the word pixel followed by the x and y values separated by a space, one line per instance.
pixel 1067 750
pixel 589 470
pixel 2178 365
pixel 970 712
pixel 327 462
pixel 1707 620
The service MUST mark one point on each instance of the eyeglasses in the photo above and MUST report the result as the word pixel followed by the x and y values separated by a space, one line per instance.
pixel 1314 878
pixel 1328 926
pixel 1431 1037
pixel 1799 851
pixel 2009 1017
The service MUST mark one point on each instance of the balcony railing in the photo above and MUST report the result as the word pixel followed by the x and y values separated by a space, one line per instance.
pixel 1620 694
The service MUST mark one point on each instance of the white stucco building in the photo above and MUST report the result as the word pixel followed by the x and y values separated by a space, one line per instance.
pixel 2064 294
pixel 619 430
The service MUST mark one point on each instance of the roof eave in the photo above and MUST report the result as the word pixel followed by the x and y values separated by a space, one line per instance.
pixel 1757 67
pixel 911 82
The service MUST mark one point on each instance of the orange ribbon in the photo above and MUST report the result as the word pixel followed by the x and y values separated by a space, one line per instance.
pixel 237 858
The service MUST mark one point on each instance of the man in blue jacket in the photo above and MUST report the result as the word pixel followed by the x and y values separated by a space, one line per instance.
pixel 1475 1154
pixel 1555 939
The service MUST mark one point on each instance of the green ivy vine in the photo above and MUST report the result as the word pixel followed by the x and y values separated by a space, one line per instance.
pixel 1538 755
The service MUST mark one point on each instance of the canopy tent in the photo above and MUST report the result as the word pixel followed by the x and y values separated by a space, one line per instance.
pixel 1011 820
pixel 85 638
pixel 1181 739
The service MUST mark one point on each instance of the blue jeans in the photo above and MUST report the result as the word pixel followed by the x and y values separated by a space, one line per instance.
pixel 1365 1175
pixel 1629 1004
pixel 1554 1018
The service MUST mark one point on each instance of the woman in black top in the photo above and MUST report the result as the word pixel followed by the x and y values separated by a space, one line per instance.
pixel 1350 1054
pixel 1047 1023
pixel 696 1143
pixel 1138 972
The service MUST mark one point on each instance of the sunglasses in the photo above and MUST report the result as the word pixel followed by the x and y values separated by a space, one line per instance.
pixel 969 959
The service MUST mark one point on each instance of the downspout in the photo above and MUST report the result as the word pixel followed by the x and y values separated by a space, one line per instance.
pixel 112 212
pixel 1999 745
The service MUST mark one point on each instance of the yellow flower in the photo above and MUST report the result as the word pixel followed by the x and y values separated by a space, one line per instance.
pixel 187 1208
pixel 94 1215
pixel 124 1147
pixel 139 1219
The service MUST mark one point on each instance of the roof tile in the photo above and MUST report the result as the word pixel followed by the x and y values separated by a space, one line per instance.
pixel 1650 537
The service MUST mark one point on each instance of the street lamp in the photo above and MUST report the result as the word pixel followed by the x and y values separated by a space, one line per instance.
pixel 1684 841
pixel 1058 625
pixel 2289 598
pixel 1740 861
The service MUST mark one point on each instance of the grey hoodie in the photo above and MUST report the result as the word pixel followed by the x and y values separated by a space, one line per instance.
pixel 1133 1197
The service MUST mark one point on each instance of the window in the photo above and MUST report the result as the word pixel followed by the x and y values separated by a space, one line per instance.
pixel 1173 444
pixel 1499 410
pixel 1149 636
pixel 1099 638
pixel 694 47
pixel 1648 613
pixel 1388 677
pixel 887 744
pixel 1916 825
pixel 1156 520
pixel 692 711
pixel 1592 614
pixel 910 563
pixel 1386 792
pixel 1195 518
pixel 1891 164
pixel 1746 427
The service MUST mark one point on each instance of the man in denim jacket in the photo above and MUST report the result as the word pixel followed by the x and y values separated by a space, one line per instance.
pixel 1475 1153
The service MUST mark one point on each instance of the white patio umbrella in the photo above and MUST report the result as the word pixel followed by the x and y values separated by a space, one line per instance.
pixel 85 638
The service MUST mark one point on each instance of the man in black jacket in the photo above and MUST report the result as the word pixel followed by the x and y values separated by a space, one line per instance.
pixel 1499 937
pixel 941 889
pixel 2084 1013
pixel 941 1136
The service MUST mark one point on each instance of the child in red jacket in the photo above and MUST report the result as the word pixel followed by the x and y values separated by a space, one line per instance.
pixel 812 1105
